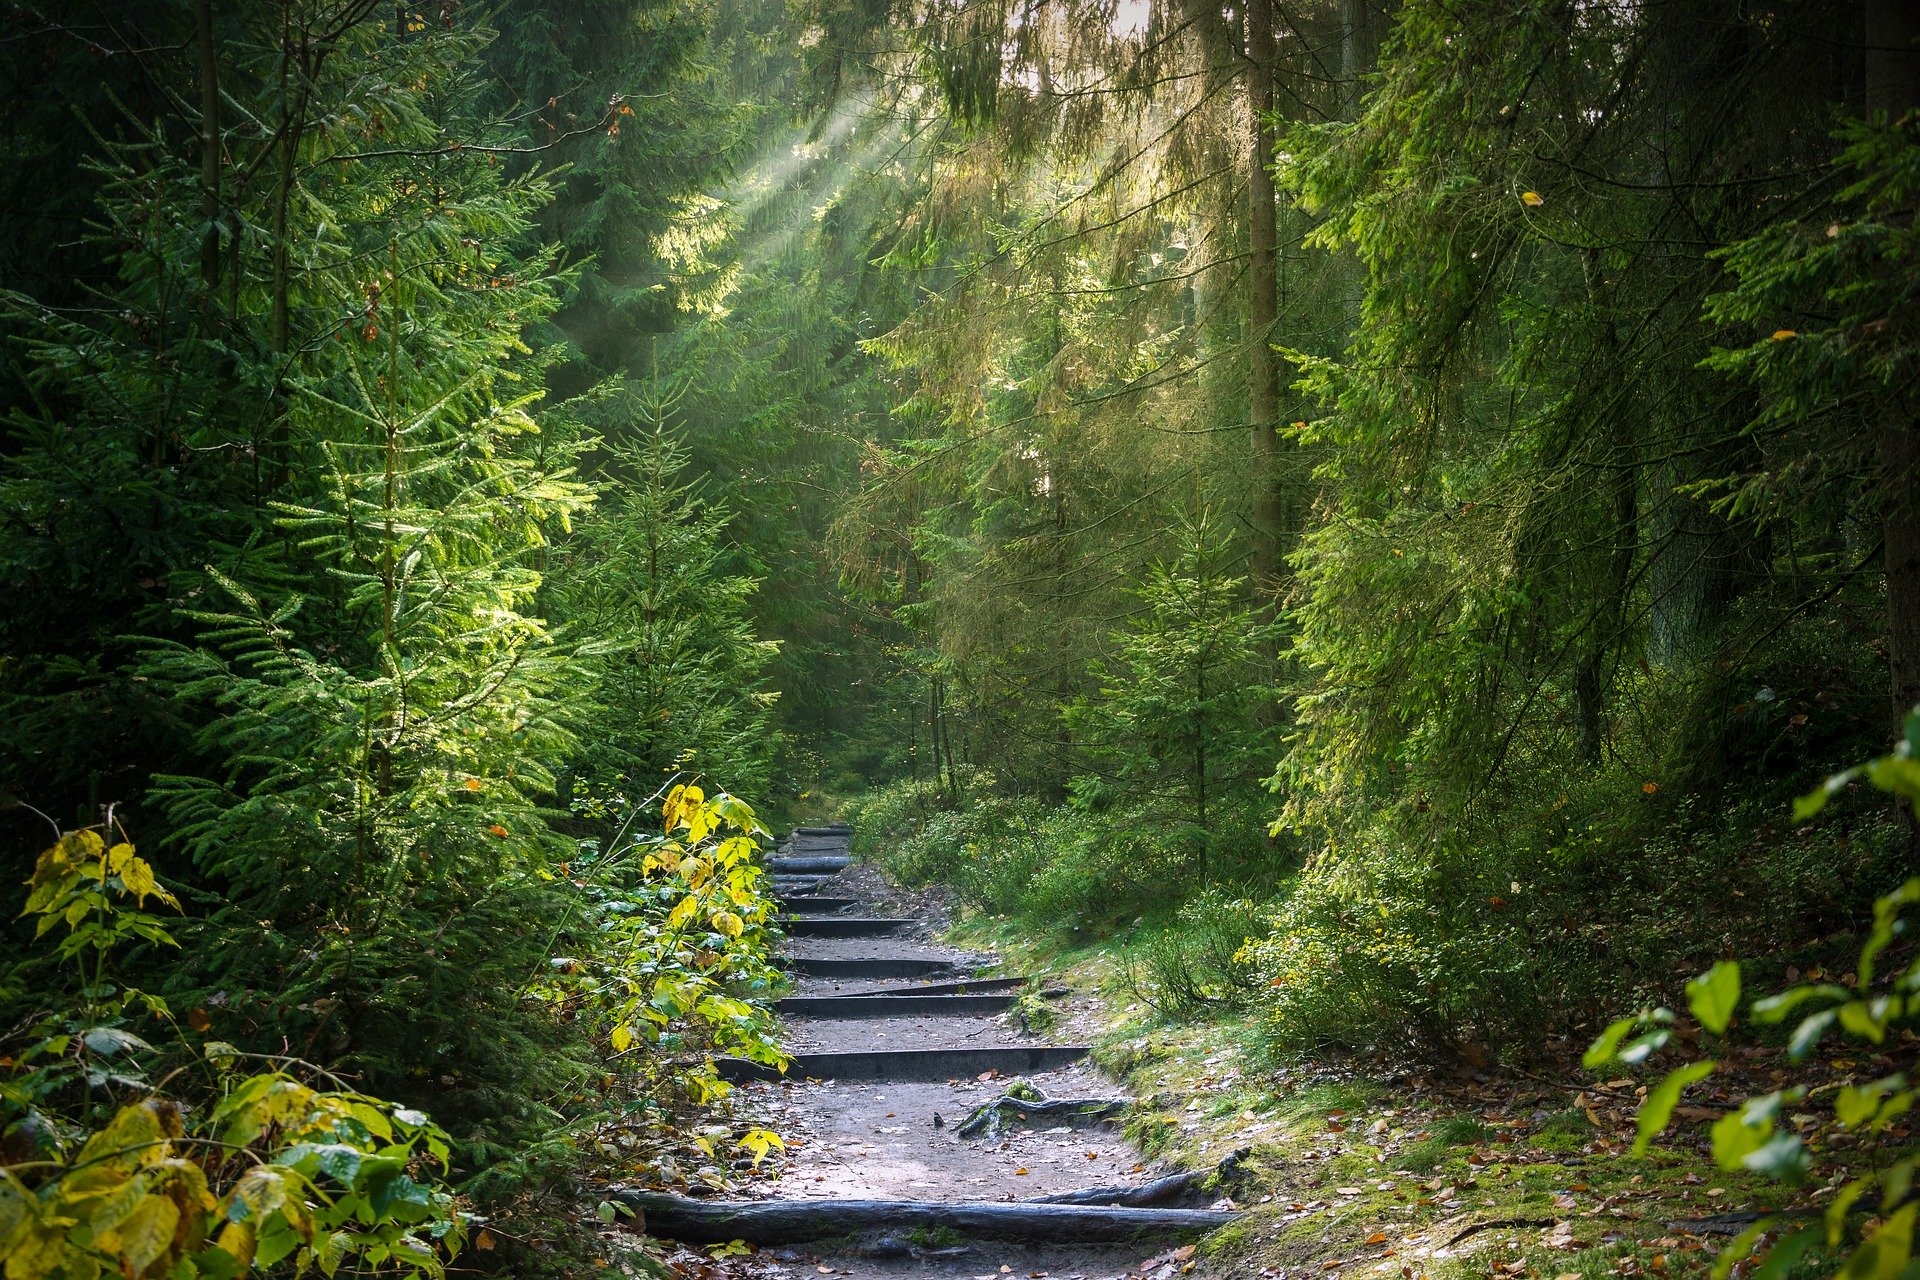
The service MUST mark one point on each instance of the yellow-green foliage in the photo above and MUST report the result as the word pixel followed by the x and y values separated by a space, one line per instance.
pixel 682 936
pixel 270 1169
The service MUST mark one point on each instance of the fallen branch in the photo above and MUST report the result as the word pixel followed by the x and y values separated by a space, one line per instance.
pixel 1732 1224
pixel 1158 1192
pixel 1478 1227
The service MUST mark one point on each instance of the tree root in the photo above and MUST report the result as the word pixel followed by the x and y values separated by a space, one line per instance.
pixel 1194 1184
pixel 1023 1101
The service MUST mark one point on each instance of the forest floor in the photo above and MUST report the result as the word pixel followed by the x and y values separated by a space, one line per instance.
pixel 1356 1169
pixel 1381 1169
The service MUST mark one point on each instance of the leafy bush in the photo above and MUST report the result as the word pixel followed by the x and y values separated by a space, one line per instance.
pixel 1553 902
pixel 1869 1004
pixel 1197 963
pixel 268 1169
pixel 1058 867
pixel 676 929
pixel 1371 948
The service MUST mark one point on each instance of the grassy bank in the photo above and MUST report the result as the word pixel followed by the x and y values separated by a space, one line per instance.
pixel 1360 1164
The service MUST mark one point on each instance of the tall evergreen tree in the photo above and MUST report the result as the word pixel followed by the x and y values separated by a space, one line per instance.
pixel 649 587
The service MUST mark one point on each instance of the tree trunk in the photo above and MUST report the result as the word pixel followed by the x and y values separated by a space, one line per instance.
pixel 1690 578
pixel 209 145
pixel 1622 475
pixel 1263 400
pixel 1893 90
pixel 1359 51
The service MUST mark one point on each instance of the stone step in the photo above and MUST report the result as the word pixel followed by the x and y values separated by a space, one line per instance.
pixel 870 967
pixel 895 1005
pixel 797 866
pixel 810 904
pixel 964 987
pixel 844 926
pixel 909 1064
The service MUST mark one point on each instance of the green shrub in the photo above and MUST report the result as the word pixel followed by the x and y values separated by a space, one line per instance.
pixel 1565 900
pixel 1065 867
pixel 100 1169
pixel 1196 963
pixel 1877 999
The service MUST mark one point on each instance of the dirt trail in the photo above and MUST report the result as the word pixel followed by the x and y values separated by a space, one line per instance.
pixel 894 1139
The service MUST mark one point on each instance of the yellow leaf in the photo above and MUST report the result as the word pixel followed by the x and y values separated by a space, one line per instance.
pixel 40 1250
pixel 237 1241
pixel 118 857
pixel 135 1136
pixel 1532 199
pixel 622 1038
pixel 1781 335
pixel 728 923
pixel 757 1142
pixel 147 1234
pixel 137 876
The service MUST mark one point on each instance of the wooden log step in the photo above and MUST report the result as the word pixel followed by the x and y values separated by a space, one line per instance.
pixel 904 1065
pixel 964 987
pixel 770 1222
pixel 1192 1184
pixel 843 926
pixel 869 967
pixel 838 842
pixel 1151 1194
pixel 830 829
pixel 815 904
pixel 901 1005
pixel 824 865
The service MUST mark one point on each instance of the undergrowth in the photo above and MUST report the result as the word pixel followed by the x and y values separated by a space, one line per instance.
pixel 1496 942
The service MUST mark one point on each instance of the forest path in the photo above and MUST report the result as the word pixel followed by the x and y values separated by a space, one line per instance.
pixel 897 1039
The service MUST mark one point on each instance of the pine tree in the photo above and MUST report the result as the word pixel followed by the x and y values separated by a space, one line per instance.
pixel 383 712
pixel 1176 722
pixel 650 586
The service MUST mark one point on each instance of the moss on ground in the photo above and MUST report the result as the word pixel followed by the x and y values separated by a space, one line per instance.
pixel 1371 1170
